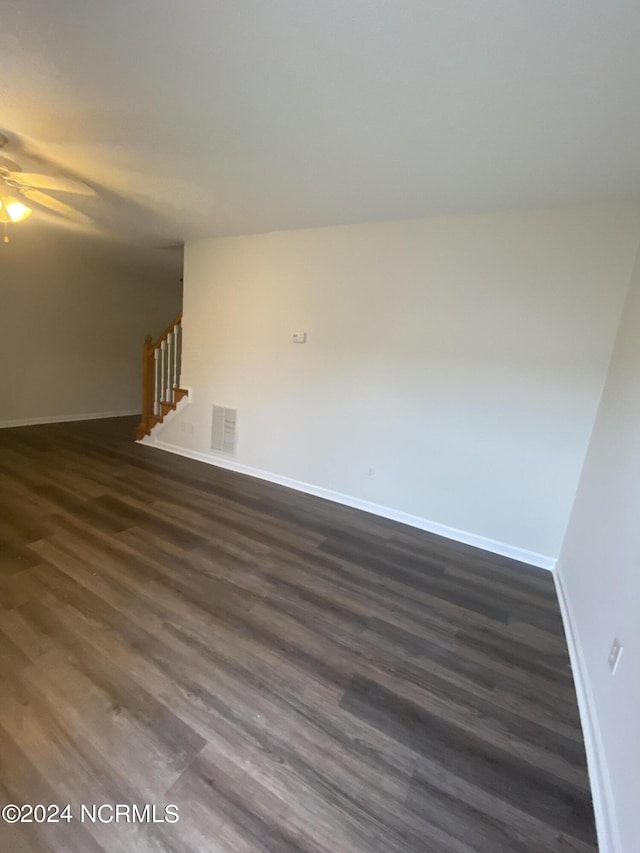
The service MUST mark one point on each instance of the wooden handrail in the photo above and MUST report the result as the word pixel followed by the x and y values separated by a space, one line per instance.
pixel 168 330
pixel 149 373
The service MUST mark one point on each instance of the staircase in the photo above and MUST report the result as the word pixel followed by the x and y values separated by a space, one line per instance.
pixel 161 392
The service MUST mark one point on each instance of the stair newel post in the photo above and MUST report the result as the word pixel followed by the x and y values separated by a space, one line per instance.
pixel 147 379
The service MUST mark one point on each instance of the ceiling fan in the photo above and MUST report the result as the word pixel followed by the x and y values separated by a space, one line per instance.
pixel 18 187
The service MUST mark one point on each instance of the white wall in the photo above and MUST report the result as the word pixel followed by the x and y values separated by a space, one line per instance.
pixel 74 316
pixel 462 358
pixel 599 570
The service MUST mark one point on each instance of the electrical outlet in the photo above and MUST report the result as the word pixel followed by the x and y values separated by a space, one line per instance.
pixel 299 337
pixel 371 473
pixel 614 655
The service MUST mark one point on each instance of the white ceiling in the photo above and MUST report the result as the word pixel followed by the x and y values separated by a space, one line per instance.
pixel 205 117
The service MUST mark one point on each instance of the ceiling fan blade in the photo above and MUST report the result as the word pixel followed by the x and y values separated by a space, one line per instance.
pixel 7 166
pixel 51 182
pixel 55 205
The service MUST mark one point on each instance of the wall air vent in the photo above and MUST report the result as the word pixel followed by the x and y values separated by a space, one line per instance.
pixel 223 430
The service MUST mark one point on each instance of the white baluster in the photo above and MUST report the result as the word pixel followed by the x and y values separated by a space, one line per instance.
pixel 170 357
pixel 156 382
pixel 163 373
pixel 176 366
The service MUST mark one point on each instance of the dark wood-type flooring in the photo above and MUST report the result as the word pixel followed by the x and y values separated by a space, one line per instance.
pixel 294 675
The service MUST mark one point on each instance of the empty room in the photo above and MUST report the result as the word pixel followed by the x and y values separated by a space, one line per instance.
pixel 320 426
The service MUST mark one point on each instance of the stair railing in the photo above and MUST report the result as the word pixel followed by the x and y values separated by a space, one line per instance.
pixel 161 363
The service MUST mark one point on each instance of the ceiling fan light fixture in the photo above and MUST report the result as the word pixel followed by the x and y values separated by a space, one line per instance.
pixel 16 210
pixel 12 210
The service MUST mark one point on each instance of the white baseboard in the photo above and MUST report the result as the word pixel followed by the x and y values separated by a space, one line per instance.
pixel 601 791
pixel 58 419
pixel 495 547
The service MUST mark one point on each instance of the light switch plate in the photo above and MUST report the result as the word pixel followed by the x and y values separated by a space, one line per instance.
pixel 299 337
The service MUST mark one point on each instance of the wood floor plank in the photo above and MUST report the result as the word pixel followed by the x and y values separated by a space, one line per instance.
pixel 293 674
pixel 23 782
pixel 495 769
